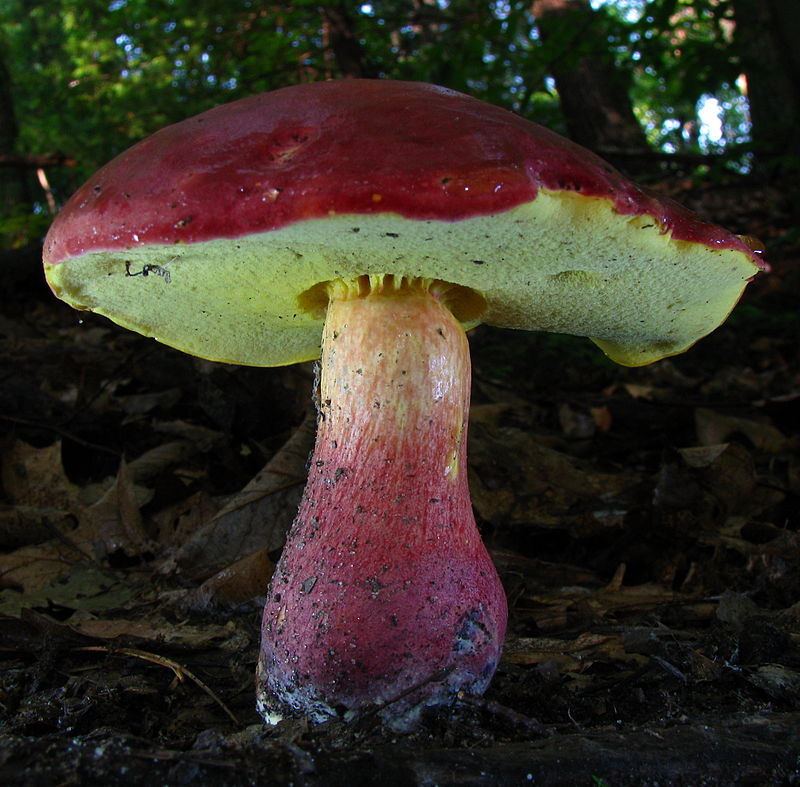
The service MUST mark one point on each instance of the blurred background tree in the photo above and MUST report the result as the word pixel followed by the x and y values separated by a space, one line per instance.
pixel 656 86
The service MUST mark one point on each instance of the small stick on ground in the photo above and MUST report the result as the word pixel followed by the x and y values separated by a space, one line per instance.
pixel 181 672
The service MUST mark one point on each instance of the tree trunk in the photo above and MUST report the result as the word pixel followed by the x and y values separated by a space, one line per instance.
pixel 14 185
pixel 766 35
pixel 594 97
pixel 340 37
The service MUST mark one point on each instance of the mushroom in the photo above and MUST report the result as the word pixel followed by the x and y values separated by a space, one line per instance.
pixel 375 221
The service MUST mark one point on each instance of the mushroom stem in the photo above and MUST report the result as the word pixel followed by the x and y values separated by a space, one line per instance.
pixel 384 589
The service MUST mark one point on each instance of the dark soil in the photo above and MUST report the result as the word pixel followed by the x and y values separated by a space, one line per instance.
pixel 645 523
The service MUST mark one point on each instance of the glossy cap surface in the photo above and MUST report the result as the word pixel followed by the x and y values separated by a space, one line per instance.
pixel 207 234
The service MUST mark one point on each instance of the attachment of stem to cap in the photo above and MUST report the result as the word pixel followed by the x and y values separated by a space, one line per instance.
pixel 467 305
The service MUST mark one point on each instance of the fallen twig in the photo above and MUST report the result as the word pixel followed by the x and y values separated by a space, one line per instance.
pixel 180 671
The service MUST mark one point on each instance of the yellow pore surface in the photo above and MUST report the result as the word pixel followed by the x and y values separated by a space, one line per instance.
pixel 563 263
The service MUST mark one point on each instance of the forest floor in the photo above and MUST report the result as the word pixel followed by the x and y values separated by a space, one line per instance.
pixel 645 523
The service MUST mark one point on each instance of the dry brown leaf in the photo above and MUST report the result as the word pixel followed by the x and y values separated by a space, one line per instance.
pixel 116 520
pixel 567 606
pixel 161 458
pixel 714 428
pixel 200 436
pixel 176 524
pixel 636 391
pixel 575 424
pixel 569 655
pixel 88 587
pixel 733 481
pixel 602 418
pixel 112 524
pixel 257 517
pixel 24 525
pixel 141 404
pixel 515 480
pixel 703 455
pixel 31 569
pixel 35 477
pixel 239 583
pixel 180 635
pixel 769 554
pixel 490 414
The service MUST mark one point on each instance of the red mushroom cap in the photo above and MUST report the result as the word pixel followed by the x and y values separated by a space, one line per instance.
pixel 240 211
pixel 354 146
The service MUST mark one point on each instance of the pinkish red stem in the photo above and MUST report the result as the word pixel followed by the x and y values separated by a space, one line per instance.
pixel 384 588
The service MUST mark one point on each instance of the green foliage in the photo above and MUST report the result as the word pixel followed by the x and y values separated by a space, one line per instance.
pixel 685 53
pixel 91 77
pixel 20 225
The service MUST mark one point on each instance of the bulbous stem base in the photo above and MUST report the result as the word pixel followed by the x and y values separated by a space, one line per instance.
pixel 384 594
